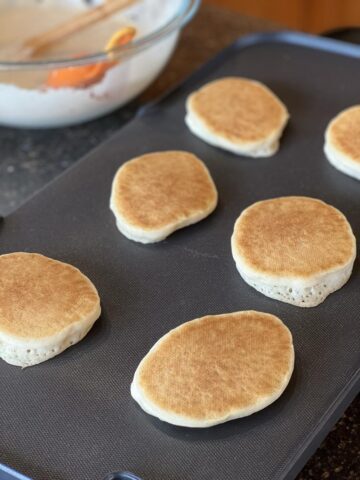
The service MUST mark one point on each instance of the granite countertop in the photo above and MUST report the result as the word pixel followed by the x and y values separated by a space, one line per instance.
pixel 30 159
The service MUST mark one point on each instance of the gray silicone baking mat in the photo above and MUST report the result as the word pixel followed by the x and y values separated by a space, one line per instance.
pixel 73 417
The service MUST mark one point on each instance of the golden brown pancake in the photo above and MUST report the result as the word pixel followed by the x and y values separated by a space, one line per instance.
pixel 45 306
pixel 215 368
pixel 158 193
pixel 238 114
pixel 342 141
pixel 295 249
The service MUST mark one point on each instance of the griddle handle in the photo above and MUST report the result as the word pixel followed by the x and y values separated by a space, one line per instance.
pixel 121 476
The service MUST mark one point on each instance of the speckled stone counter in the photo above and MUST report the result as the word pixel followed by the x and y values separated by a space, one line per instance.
pixel 31 159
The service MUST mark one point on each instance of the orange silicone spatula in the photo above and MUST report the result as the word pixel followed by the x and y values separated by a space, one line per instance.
pixel 83 76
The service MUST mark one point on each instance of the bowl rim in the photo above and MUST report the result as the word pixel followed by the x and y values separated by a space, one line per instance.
pixel 185 13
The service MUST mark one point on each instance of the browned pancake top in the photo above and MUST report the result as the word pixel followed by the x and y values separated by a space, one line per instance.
pixel 39 297
pixel 238 109
pixel 344 133
pixel 159 189
pixel 213 366
pixel 293 237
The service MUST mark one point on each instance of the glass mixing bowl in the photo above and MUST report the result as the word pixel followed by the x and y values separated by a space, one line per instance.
pixel 27 101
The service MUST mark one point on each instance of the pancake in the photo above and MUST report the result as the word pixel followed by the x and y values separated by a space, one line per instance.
pixel 158 193
pixel 294 249
pixel 215 369
pixel 237 114
pixel 45 307
pixel 342 142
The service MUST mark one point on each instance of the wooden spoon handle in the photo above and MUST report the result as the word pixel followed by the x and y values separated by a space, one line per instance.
pixel 84 19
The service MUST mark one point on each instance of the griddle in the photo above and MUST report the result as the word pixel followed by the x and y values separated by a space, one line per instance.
pixel 73 417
